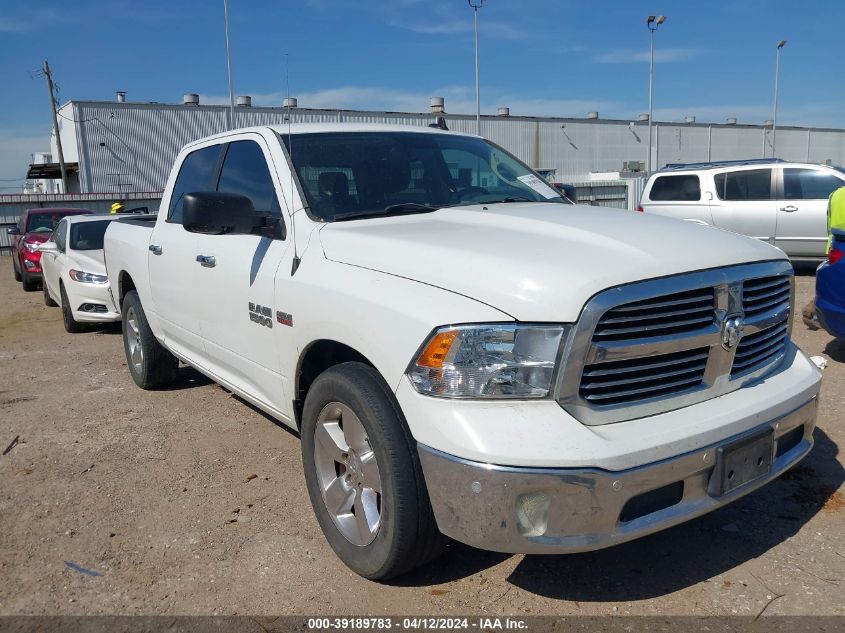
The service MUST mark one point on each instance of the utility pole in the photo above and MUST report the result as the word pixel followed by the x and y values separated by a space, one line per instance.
pixel 781 44
pixel 656 21
pixel 229 67
pixel 475 7
pixel 49 77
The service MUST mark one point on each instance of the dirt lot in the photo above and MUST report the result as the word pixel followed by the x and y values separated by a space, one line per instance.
pixel 188 501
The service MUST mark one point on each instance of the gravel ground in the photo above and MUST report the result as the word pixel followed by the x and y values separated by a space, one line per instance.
pixel 189 501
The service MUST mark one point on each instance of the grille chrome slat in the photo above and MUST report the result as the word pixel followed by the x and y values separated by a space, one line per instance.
pixel 662 344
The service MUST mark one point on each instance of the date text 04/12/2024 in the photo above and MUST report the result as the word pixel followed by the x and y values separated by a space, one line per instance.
pixel 417 623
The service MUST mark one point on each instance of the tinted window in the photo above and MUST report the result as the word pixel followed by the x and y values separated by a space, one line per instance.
pixel 44 222
pixel 677 188
pixel 60 236
pixel 195 174
pixel 752 184
pixel 809 184
pixel 245 172
pixel 88 236
pixel 353 174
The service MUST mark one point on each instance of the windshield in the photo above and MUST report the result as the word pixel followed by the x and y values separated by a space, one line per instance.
pixel 88 236
pixel 349 174
pixel 44 222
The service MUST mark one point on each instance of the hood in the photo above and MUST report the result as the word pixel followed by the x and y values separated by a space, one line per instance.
pixel 535 261
pixel 89 261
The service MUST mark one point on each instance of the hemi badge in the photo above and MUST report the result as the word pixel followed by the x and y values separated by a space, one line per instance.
pixel 284 318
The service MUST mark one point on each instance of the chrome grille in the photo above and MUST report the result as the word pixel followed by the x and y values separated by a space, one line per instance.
pixel 662 344
pixel 672 314
pixel 767 294
pixel 761 348
pixel 631 380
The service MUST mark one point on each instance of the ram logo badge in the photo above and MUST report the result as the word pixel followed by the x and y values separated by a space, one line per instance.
pixel 260 314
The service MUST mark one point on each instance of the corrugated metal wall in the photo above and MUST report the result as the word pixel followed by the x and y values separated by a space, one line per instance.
pixel 131 147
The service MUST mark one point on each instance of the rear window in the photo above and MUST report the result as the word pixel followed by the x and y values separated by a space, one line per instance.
pixel 751 184
pixel 676 188
pixel 88 236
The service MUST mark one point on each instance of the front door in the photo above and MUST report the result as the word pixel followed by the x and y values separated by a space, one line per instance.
pixel 236 280
pixel 802 210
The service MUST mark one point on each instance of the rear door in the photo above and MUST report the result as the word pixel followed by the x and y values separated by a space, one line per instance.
pixel 236 280
pixel 744 202
pixel 173 268
pixel 802 210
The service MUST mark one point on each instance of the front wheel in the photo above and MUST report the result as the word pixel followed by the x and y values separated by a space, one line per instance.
pixel 149 363
pixel 16 272
pixel 363 475
pixel 72 326
pixel 48 300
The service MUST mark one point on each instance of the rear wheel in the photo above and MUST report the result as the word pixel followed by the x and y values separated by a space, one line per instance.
pixel 363 474
pixel 48 300
pixel 150 364
pixel 72 326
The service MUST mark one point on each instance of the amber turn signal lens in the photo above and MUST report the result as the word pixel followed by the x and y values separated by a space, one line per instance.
pixel 435 352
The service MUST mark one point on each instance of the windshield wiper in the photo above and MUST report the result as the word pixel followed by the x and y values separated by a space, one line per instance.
pixel 391 209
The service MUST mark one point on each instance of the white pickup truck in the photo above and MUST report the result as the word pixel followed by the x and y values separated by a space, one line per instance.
pixel 462 352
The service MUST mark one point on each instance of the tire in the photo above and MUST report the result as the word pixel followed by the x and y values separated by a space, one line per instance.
pixel 149 363
pixel 15 271
pixel 72 326
pixel 357 449
pixel 29 285
pixel 48 300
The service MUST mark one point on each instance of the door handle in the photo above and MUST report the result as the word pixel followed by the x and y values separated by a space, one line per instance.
pixel 208 261
pixel 155 249
pixel 789 208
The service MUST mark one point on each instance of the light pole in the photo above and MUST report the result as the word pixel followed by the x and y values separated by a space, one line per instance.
pixel 229 67
pixel 781 44
pixel 655 21
pixel 475 7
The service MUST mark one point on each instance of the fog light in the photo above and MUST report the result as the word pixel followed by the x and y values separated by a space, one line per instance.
pixel 532 514
pixel 30 265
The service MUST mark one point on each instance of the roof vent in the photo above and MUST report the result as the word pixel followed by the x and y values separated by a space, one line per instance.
pixel 689 120
pixel 121 96
pixel 437 105
pixel 593 115
pixel 768 123
pixel 643 117
pixel 504 111
pixel 190 98
pixel 730 121
pixel 244 101
pixel 289 102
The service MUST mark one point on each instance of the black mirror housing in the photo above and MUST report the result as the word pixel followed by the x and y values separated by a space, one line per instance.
pixel 13 231
pixel 218 213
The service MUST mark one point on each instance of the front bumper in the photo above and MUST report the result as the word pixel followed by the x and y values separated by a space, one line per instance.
pixel 90 303
pixel 562 510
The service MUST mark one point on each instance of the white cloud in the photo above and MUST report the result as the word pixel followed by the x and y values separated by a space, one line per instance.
pixel 663 55
pixel 10 25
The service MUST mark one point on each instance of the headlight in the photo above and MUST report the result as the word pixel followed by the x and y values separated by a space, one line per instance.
pixel 488 361
pixel 87 278
pixel 32 247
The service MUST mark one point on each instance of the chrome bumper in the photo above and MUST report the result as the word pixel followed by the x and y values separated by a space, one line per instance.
pixel 535 510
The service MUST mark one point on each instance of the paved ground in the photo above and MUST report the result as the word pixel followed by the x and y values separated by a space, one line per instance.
pixel 188 501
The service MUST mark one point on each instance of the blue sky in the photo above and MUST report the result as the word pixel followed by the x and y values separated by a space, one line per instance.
pixel 539 57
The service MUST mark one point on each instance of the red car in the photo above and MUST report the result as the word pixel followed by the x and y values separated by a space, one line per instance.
pixel 34 227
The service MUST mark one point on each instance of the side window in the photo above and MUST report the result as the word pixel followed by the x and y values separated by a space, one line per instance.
pixel 245 172
pixel 196 174
pixel 751 184
pixel 809 184
pixel 467 170
pixel 60 235
pixel 676 188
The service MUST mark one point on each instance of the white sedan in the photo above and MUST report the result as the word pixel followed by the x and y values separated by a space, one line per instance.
pixel 75 271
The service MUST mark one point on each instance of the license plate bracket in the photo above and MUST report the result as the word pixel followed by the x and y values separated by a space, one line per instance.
pixel 741 462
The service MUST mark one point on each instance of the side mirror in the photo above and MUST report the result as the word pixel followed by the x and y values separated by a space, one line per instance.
pixel 13 231
pixel 48 247
pixel 217 213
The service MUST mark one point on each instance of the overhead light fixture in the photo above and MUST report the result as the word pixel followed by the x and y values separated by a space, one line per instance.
pixel 661 19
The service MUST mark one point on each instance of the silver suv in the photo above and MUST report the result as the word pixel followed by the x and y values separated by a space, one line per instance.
pixel 776 201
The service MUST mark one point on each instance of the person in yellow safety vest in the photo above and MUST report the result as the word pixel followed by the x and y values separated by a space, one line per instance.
pixel 835 220
pixel 117 207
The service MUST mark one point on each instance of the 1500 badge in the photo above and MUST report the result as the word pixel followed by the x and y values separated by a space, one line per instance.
pixel 260 314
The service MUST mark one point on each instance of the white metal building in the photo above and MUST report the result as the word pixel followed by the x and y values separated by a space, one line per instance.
pixel 130 147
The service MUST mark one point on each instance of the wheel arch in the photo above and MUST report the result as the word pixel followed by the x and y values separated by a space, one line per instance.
pixel 125 284
pixel 318 356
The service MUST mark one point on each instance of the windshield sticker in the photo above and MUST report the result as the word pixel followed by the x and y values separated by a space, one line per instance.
pixel 539 186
